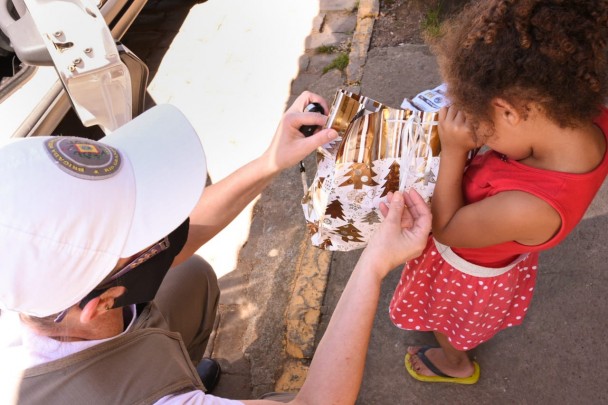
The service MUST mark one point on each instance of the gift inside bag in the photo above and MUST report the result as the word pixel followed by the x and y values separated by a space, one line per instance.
pixel 379 150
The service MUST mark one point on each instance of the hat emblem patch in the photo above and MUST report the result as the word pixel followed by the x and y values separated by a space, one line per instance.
pixel 83 158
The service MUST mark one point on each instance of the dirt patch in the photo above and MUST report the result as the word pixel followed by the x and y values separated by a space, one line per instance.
pixel 405 21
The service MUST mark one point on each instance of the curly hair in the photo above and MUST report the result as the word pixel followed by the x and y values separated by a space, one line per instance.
pixel 548 52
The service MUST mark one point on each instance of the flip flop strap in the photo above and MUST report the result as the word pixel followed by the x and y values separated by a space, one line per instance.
pixel 422 356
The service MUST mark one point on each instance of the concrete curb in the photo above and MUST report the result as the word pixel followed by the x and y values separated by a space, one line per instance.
pixel 303 313
pixel 366 16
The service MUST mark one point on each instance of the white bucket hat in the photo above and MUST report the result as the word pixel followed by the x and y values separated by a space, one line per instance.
pixel 71 207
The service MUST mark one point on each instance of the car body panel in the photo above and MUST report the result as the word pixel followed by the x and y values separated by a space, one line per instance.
pixel 37 101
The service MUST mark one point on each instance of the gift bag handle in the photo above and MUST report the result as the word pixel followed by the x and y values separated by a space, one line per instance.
pixel 412 148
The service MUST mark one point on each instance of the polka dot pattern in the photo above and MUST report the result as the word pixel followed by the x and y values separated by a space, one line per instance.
pixel 434 296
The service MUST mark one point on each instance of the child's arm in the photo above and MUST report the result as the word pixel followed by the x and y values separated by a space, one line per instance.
pixel 507 216
pixel 456 141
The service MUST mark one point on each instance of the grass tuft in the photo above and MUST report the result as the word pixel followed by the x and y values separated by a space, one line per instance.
pixel 340 62
pixel 326 49
pixel 432 20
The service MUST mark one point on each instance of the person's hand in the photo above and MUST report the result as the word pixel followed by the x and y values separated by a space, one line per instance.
pixel 403 233
pixel 455 131
pixel 289 146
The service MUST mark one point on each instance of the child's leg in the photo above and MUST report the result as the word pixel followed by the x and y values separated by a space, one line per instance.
pixel 450 361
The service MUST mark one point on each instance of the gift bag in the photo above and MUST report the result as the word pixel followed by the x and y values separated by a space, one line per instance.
pixel 379 149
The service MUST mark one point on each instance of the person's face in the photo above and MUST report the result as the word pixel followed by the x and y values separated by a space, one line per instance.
pixel 503 135
pixel 138 280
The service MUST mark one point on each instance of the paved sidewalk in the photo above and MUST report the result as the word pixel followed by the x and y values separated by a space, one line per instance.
pixel 558 355
pixel 230 65
pixel 271 350
pixel 279 295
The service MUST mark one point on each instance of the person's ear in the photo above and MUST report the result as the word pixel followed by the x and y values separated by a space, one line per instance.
pixel 506 111
pixel 101 304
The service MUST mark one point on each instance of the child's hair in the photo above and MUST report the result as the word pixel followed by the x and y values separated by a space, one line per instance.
pixel 550 52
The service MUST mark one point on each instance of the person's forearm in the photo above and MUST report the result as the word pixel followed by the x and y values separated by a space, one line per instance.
pixel 335 374
pixel 336 371
pixel 448 195
pixel 220 203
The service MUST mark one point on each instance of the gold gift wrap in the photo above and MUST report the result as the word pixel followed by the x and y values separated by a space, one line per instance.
pixel 379 149
pixel 371 131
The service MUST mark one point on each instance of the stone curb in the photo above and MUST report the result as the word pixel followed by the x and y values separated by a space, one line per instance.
pixel 303 313
pixel 366 16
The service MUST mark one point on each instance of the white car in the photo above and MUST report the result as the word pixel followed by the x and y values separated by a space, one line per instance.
pixel 62 54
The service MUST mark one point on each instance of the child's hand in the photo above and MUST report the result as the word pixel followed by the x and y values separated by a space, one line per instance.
pixel 403 233
pixel 455 132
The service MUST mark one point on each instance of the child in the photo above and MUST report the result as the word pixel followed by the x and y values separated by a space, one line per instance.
pixel 527 79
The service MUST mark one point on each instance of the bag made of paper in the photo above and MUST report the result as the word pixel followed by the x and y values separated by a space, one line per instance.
pixel 379 149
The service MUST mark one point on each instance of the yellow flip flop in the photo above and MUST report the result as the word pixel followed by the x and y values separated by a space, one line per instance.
pixel 440 376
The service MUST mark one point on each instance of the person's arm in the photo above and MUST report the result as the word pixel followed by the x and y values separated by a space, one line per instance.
pixel 506 216
pixel 456 141
pixel 336 371
pixel 220 203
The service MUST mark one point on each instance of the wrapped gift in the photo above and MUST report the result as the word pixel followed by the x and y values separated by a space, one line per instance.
pixel 379 149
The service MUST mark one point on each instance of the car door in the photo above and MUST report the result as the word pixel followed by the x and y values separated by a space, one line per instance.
pixel 62 54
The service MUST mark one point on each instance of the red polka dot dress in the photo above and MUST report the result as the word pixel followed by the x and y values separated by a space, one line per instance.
pixel 471 294
pixel 433 295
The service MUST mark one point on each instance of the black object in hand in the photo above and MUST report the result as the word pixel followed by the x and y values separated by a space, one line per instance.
pixel 308 130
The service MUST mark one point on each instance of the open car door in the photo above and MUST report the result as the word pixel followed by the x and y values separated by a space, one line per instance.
pixel 65 52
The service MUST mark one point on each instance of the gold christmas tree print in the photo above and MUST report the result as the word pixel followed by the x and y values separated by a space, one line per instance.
pixel 312 227
pixel 335 210
pixel 349 233
pixel 325 244
pixel 360 174
pixel 392 179
pixel 371 217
